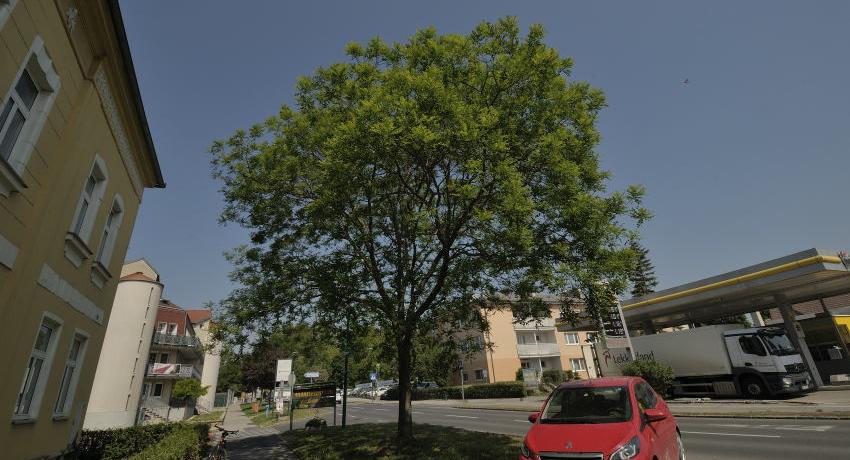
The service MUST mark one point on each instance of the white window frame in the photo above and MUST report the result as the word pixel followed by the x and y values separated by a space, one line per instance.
pixel 572 334
pixel 110 231
pixel 75 375
pixel 44 372
pixel 581 367
pixel 83 221
pixel 40 67
pixel 171 331
pixel 6 7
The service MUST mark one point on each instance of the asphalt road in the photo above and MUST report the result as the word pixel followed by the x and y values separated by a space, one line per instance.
pixel 705 438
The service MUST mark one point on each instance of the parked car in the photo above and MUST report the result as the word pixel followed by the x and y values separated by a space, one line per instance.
pixel 620 417
pixel 427 385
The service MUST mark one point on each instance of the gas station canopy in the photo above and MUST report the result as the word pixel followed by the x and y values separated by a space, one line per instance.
pixel 807 275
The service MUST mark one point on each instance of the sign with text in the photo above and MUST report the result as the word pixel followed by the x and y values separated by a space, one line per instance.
pixel 314 396
pixel 612 360
pixel 613 323
pixel 284 368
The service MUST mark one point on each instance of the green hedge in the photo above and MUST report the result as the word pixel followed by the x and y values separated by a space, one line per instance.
pixel 479 391
pixel 658 375
pixel 182 444
pixel 121 443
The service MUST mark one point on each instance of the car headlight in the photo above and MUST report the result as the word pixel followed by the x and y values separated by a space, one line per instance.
pixel 526 451
pixel 627 450
pixel 787 381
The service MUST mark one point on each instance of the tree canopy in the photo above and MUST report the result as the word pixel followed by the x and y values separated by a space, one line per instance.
pixel 416 184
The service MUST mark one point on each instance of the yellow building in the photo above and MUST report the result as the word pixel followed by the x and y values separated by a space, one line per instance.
pixel 75 157
pixel 534 345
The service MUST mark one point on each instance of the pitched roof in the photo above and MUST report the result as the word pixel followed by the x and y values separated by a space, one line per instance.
pixel 138 276
pixel 199 316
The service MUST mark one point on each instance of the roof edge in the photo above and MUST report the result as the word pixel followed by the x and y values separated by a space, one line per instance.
pixel 129 68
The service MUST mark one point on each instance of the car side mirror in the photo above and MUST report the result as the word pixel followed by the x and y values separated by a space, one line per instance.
pixel 654 415
pixel 533 417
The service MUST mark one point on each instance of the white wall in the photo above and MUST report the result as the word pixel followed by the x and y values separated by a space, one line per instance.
pixel 123 359
pixel 212 362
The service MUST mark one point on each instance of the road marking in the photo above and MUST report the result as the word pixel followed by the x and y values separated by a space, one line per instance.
pixel 459 416
pixel 417 412
pixel 734 434
pixel 820 428
pixel 523 421
pixel 380 409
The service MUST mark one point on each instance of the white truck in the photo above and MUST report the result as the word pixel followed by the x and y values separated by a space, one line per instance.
pixel 728 359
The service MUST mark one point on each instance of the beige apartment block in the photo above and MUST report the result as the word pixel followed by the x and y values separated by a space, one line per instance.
pixel 534 345
pixel 75 158
pixel 117 388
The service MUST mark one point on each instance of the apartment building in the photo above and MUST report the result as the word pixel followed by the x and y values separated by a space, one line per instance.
pixel 201 323
pixel 117 388
pixel 532 345
pixel 75 158
pixel 176 353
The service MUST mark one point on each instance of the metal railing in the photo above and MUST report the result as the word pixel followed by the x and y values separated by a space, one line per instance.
pixel 179 371
pixel 545 323
pixel 176 340
pixel 538 349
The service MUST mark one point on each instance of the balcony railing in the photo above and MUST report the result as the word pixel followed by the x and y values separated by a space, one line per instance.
pixel 527 350
pixel 176 340
pixel 174 371
pixel 545 323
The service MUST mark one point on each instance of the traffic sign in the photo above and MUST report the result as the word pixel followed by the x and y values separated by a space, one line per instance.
pixel 311 375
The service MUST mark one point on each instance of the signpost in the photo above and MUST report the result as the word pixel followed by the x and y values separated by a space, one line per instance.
pixel 313 396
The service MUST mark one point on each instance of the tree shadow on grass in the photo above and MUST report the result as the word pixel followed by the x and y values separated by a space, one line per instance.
pixel 378 441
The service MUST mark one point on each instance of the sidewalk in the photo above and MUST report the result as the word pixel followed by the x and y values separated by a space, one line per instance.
pixel 252 441
pixel 834 404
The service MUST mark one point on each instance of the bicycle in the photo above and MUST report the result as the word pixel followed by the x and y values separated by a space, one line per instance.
pixel 219 452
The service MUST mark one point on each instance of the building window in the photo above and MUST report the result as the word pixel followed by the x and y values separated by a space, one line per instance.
pixel 6 7
pixel 71 374
pixel 571 338
pixel 90 199
pixel 151 358
pixel 172 329
pixel 145 389
pixel 163 358
pixel 161 327
pixel 578 364
pixel 479 374
pixel 157 390
pixel 110 232
pixel 592 337
pixel 543 364
pixel 525 364
pixel 38 367
pixel 23 111
pixel 464 377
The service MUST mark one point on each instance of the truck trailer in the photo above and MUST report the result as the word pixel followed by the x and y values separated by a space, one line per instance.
pixel 728 359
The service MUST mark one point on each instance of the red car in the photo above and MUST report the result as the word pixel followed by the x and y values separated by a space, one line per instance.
pixel 614 418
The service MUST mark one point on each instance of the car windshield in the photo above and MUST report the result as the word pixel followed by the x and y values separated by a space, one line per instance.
pixel 588 405
pixel 778 344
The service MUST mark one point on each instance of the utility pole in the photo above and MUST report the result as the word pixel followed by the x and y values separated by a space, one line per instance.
pixel 345 368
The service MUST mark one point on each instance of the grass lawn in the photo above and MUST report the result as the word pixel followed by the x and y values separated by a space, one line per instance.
pixel 378 441
pixel 260 418
pixel 208 417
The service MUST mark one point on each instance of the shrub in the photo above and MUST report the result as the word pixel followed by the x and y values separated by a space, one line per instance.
pixel 519 377
pixel 554 376
pixel 182 444
pixel 478 391
pixel 121 443
pixel 658 375
pixel 188 389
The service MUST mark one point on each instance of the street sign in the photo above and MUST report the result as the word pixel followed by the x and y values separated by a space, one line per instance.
pixel 311 375
pixel 314 396
pixel 284 368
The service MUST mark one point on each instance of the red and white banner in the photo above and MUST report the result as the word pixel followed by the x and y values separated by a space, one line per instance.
pixel 163 369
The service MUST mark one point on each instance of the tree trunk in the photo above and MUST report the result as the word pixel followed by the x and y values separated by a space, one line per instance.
pixel 405 409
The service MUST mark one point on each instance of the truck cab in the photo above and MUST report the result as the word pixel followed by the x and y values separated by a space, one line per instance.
pixel 764 362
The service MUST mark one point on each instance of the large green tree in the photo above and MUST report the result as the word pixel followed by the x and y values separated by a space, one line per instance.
pixel 416 183
pixel 643 274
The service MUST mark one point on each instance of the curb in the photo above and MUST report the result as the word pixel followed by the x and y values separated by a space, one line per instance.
pixel 774 417
pixel 813 416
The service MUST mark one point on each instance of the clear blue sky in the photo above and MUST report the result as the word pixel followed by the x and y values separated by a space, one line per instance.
pixel 746 162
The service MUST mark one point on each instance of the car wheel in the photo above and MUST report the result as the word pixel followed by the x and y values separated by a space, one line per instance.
pixel 681 446
pixel 753 387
